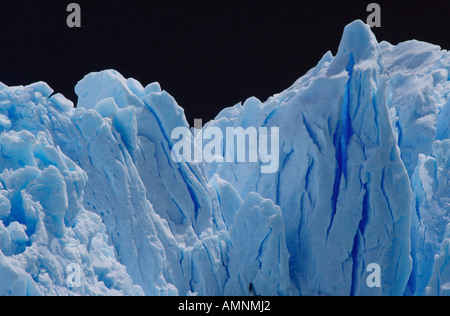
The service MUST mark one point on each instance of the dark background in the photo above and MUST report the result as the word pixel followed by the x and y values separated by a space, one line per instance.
pixel 208 54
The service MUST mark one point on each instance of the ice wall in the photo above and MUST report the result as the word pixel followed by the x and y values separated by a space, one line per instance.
pixel 363 178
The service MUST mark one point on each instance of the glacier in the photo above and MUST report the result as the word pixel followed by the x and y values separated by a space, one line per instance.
pixel 364 178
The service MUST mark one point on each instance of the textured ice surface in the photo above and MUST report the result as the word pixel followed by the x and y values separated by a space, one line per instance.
pixel 363 178
pixel 258 256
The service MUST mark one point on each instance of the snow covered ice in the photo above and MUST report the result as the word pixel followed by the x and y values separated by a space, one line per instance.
pixel 363 179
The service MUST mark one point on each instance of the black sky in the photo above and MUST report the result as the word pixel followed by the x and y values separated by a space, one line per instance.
pixel 208 54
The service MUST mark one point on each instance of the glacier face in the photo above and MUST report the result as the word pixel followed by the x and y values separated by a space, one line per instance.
pixel 363 178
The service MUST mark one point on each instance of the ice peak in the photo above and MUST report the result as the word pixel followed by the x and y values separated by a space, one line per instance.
pixel 100 85
pixel 358 41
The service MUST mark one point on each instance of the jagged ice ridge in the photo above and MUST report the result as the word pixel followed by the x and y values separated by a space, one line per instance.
pixel 364 178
